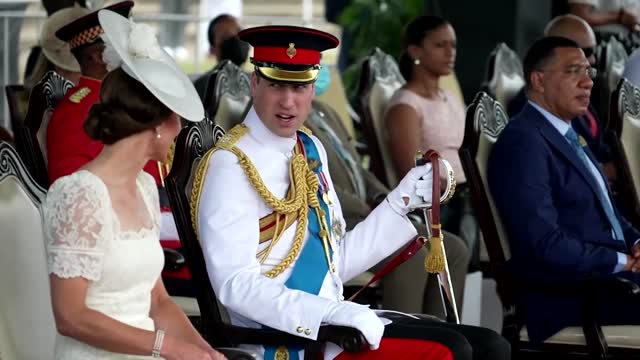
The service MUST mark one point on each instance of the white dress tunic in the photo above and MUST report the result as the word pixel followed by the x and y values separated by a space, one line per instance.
pixel 228 223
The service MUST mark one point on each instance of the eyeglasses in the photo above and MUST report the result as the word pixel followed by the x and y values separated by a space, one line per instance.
pixel 576 71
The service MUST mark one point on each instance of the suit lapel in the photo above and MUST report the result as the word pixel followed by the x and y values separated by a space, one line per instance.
pixel 556 140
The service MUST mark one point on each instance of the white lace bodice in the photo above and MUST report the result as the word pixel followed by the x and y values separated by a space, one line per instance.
pixel 84 239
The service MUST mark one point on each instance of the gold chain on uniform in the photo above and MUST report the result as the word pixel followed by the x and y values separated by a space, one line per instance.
pixel 304 188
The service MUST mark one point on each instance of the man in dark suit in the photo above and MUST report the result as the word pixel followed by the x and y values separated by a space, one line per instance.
pixel 359 191
pixel 588 125
pixel 553 198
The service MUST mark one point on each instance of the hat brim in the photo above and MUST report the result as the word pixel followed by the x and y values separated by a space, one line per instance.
pixel 54 49
pixel 298 77
pixel 85 31
pixel 162 77
pixel 62 58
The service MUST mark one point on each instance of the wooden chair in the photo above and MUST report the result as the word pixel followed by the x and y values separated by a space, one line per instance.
pixel 27 327
pixel 504 76
pixel 379 79
pixel 192 143
pixel 25 142
pixel 44 97
pixel 228 95
pixel 623 136
pixel 486 118
pixel 31 132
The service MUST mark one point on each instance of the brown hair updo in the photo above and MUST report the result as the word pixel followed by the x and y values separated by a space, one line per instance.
pixel 125 108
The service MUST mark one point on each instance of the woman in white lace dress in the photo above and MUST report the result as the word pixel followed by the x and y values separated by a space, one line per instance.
pixel 102 222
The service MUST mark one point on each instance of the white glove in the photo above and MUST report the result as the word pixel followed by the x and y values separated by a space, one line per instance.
pixel 347 313
pixel 413 191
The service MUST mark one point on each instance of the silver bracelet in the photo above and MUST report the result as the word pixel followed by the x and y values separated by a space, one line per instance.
pixel 157 344
pixel 451 182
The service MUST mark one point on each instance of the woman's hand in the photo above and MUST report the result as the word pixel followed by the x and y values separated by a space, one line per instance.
pixel 215 355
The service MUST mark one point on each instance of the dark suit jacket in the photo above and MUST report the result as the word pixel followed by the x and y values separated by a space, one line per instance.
pixel 597 144
pixel 557 227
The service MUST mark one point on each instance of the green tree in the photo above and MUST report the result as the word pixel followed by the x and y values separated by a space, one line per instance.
pixel 375 23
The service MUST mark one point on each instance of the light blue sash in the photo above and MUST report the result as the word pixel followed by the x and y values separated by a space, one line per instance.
pixel 311 267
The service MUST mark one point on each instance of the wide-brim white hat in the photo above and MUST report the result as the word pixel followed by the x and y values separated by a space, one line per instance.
pixel 56 50
pixel 144 60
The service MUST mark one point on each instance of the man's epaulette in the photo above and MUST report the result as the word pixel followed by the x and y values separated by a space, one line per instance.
pixel 228 140
pixel 306 130
pixel 80 94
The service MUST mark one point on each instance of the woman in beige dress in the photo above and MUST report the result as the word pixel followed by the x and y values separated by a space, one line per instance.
pixel 422 115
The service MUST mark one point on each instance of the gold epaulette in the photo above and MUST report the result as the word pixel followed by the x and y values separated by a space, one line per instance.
pixel 306 130
pixel 227 142
pixel 80 94
pixel 302 196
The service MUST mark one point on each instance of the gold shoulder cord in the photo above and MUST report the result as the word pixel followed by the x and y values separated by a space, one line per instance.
pixel 303 193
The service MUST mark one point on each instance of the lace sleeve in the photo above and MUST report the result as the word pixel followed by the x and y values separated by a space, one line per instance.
pixel 77 225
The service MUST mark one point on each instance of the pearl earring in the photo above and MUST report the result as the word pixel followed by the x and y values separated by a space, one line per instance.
pixel 158 135
pixel 416 61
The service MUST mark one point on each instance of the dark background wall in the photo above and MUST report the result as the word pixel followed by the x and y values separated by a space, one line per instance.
pixel 481 25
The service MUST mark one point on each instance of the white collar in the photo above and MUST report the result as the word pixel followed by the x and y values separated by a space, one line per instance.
pixel 264 136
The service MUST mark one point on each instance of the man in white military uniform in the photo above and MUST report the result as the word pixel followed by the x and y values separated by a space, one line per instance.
pixel 272 230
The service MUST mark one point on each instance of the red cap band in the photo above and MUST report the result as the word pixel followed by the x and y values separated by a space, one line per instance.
pixel 283 55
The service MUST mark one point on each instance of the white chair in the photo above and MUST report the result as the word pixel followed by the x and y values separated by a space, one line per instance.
pixel 228 95
pixel 623 131
pixel 611 62
pixel 504 77
pixel 630 139
pixel 615 57
pixel 27 328
pixel 44 97
pixel 379 80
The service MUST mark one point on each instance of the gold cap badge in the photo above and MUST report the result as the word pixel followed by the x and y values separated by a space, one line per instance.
pixel 291 51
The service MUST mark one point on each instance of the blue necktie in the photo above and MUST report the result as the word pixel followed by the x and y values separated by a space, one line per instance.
pixel 572 136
